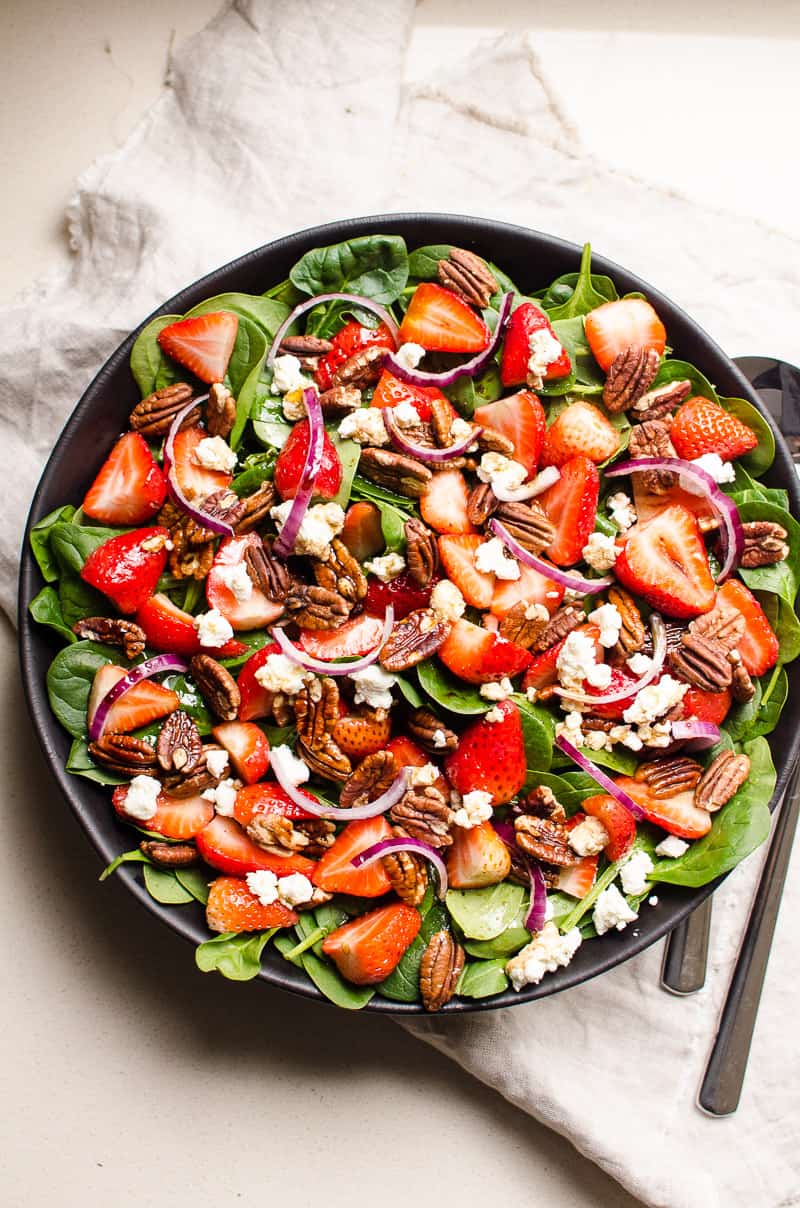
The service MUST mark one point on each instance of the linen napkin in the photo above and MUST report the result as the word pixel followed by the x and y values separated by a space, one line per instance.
pixel 279 116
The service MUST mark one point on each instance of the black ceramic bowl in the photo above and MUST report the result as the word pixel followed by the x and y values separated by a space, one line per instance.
pixel 532 260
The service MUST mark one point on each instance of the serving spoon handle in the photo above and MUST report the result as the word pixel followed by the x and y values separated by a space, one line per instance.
pixel 686 954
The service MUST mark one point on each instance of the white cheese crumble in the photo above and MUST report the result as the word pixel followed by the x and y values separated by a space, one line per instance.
pixel 476 807
pixel 425 776
pixel 295 890
pixel 439 738
pixel 141 799
pixel 264 885
pixel 588 837
pixel 577 662
pixel 223 797
pixel 287 374
pixel 544 349
pixel 633 873
pixel 626 736
pixel 547 951
pixel 409 355
pixel 293 770
pixel 609 620
pixel 537 612
pixel 213 629
pixel 713 464
pixel 494 715
pixel 621 510
pixel 600 552
pixel 279 673
pixel 490 559
pixel 216 761
pixel 671 847
pixel 237 581
pixel 497 689
pixel 460 429
pixel 373 686
pixel 365 426
pixel 501 471
pixel 320 525
pixel 405 415
pixel 652 900
pixel 611 911
pixel 655 700
pixel 213 453
pixel 447 601
pixel 639 663
pixel 386 568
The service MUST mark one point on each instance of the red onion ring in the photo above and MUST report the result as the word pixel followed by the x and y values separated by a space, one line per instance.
pixel 145 670
pixel 176 494
pixel 597 774
pixel 417 846
pixel 371 810
pixel 284 544
pixel 657 662
pixel 696 480
pixel 587 587
pixel 424 452
pixel 364 303
pixel 421 377
pixel 538 908
pixel 326 668
pixel 545 479
pixel 698 735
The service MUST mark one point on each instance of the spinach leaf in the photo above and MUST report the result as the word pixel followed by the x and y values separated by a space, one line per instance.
pixel 72 543
pixel 481 979
pixel 40 541
pixel 588 291
pixel 252 640
pixel 402 984
pixel 782 578
pixel 79 763
pixel 423 262
pixel 195 882
pixel 759 715
pixel 286 293
pixel 326 978
pixel 507 944
pixel 483 914
pixel 148 363
pixel 237 957
pixel 46 609
pixel 349 452
pixel 761 458
pixel 78 600
pixel 69 681
pixel 163 885
pixel 618 760
pixel 364 489
pixel 269 423
pixel 448 691
pixel 191 700
pixel 587 376
pixel 538 732
pixel 330 317
pixel 783 620
pixel 125 857
pixel 408 690
pixel 256 469
pixel 375 266
pixel 737 830
pixel 745 488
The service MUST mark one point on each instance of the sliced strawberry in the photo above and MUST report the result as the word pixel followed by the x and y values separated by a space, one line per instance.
pixel 571 505
pixel 257 610
pixel 759 647
pixel 579 878
pixel 266 800
pixel 362 532
pixel 256 700
pixel 145 702
pixel 335 872
pixel 403 593
pixel 126 569
pixel 357 636
pixel 665 562
pixel 175 817
pixel 478 857
pixel 531 587
pixel 130 487
pixel 203 344
pixel 232 907
pixel 707 706
pixel 292 459
pixel 408 755
pixel 368 948
pixel 678 815
pixel 441 322
pixel 362 733
pixel 520 417
pixel 477 655
pixel 619 822
pixel 168 628
pixel 224 845
pixel 617 326
pixel 701 426
pixel 542 670
pixel 195 480
pixel 390 392
pixel 444 503
pixel 514 369
pixel 579 430
pixel 490 756
pixel 620 680
pixel 247 746
pixel 649 503
pixel 350 340
pixel 457 552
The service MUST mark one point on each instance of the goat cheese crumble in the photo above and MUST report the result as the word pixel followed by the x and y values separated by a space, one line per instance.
pixel 320 525
pixel 713 464
pixel 216 761
pixel 633 874
pixel 425 776
pixel 223 796
pixel 671 847
pixel 373 687
pixel 600 552
pixel 501 472
pixel 294 890
pixel 547 951
pixel 609 620
pixel 237 581
pixel 497 689
pixel 588 837
pixel 386 568
pixel 287 374
pixel 213 453
pixel 577 662
pixel 141 800
pixel 213 629
pixel 476 807
pixel 612 912
pixel 405 415
pixel 279 673
pixel 621 510
pixel 365 426
pixel 292 769
pixel 447 601
pixel 490 559
pixel 654 701
pixel 409 355
pixel 264 885
pixel 544 349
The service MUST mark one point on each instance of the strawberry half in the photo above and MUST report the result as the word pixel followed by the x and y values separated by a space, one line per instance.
pixel 224 845
pixel 127 568
pixel 142 704
pixel 360 734
pixel 362 532
pixel 335 872
pixel 580 429
pixel 403 593
pixel 520 417
pixel 265 800
pixel 256 700
pixel 292 459
pixel 525 320
pixel 175 817
pixel 457 552
pixel 195 480
pixel 444 503
pixel 350 340
pixel 203 344
pixel 490 756
pixel 367 949
pixel 168 628
pixel 617 326
pixel 478 857
pixel 571 505
pixel 542 670
pixel 130 487
pixel 232 907
pixel 707 706
pixel 678 815
pixel 619 822
pixel 702 426
pixel 357 636
pixel 257 610
pixel 247 746
pixel 620 680
pixel 665 561
pixel 478 656
pixel 440 321
pixel 759 647
pixel 390 392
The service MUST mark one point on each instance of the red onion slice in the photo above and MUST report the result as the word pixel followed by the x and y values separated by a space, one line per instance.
pixel 417 846
pixel 325 668
pixel 605 782
pixel 697 735
pixel 421 377
pixel 145 670
pixel 545 479
pixel 371 810
pixel 587 587
pixel 538 907
pixel 176 493
pixel 657 662
pixel 424 452
pixel 696 480
pixel 363 303
pixel 284 544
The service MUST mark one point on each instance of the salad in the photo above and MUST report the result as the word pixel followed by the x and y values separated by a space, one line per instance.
pixel 421 627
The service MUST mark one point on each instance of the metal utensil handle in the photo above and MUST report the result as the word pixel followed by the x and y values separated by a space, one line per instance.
pixel 684 968
pixel 722 1083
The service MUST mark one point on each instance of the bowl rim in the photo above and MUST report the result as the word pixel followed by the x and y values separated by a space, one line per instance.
pixel 606 953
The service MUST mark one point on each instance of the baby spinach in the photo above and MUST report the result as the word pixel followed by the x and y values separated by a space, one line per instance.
pixel 468 393
pixel 481 979
pixel 252 640
pixel 423 261
pixel 195 882
pixel 125 857
pixel 326 978
pixel 408 691
pixel 483 914
pixel 446 690
pixel 269 424
pixel 402 984
pixel 78 600
pixel 746 489
pixel 69 681
pixel 364 489
pixel 503 946
pixel 759 715
pixel 375 266
pixel 737 830
pixel 588 291
pixel 148 363
pixel 256 469
pixel 586 376
pixel 349 452
pixel 538 732
pixel 40 541
pixel 784 621
pixel 329 318
pixel 235 956
pixel 163 885
pixel 191 700
pixel 617 760
pixel 46 609
pixel 72 543
pixel 79 763
pixel 782 578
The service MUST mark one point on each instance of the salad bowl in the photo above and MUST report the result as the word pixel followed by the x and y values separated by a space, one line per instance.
pixel 532 259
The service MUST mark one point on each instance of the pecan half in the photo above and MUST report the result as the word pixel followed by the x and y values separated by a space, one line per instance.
pixel 426 728
pixel 469 276
pixel 339 401
pixel 721 780
pixel 523 624
pixel 180 784
pixel 373 776
pixel 276 834
pixel 316 607
pixel 632 631
pixel 544 839
pixel 220 411
pixel 169 855
pixel 256 508
pixel 113 631
pixel 153 416
pixel 527 524
pixel 492 441
pixel 652 439
pixel 425 814
pixel 416 637
pixel 629 377
pixel 541 802
pixel 408 876
pixel 221 505
pixel 439 970
pixel 655 404
pixel 667 777
pixel 267 573
pixel 764 543
pixel 124 754
pixel 341 573
pixel 481 504
pixel 304 346
pixel 179 747
pixel 362 369
pixel 560 624
pixel 216 685
pixel 441 421
pixel 316 711
pixel 702 661
pixel 742 685
pixel 422 552
pixel 395 471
